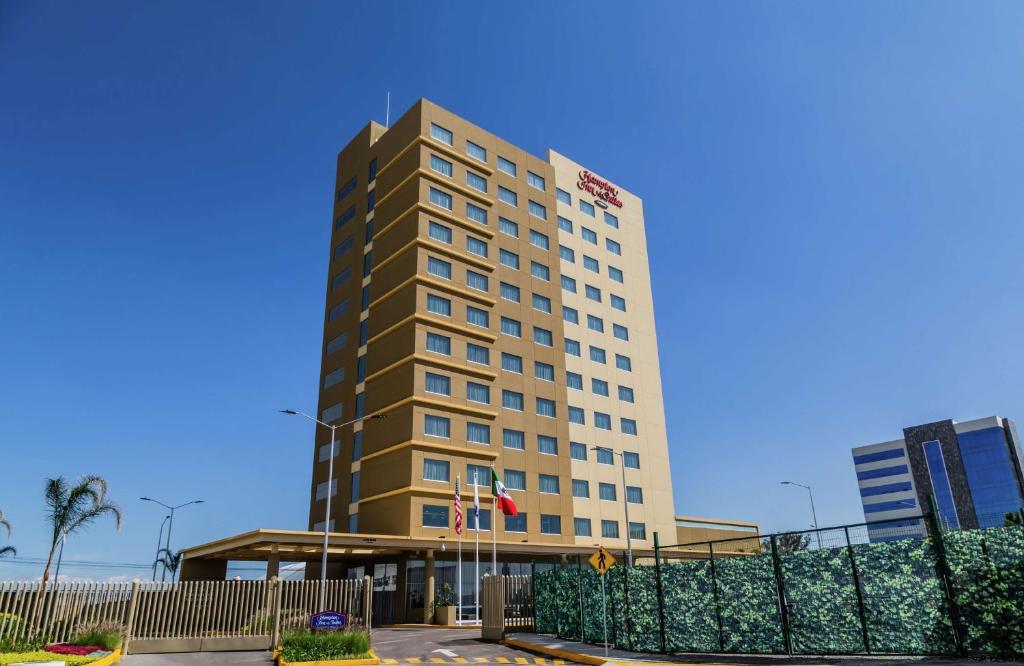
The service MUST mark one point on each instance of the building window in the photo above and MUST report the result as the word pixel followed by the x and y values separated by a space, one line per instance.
pixel 620 331
pixel 615 274
pixel 338 310
pixel 618 302
pixel 441 199
pixel 612 246
pixel 476 151
pixel 509 292
pixel 476 281
pixel 571 315
pixel 595 323
pixel 373 170
pixel 538 210
pixel 637 531
pixel 436 470
pixel 368 233
pixel 361 369
pixel 477 354
pixel 476 181
pixel 347 189
pixel 542 336
pixel 438 384
pixel 506 166
pixel 631 459
pixel 477 317
pixel 544 371
pixel 578 451
pixel 321 489
pixel 539 240
pixel 337 343
pixel 593 293
pixel 508 196
pixel 509 259
pixel 478 433
pixel 513 439
pixel 580 488
pixel 441 134
pixel 540 271
pixel 478 393
pixel 439 267
pixel 364 299
pixel 435 515
pixel 341 278
pixel 625 394
pixel 546 407
pixel 573 380
pixel 550 524
pixel 511 327
pixel 476 246
pixel 605 456
pixel 345 217
pixel 533 180
pixel 627 426
pixel 566 254
pixel 611 220
pixel 476 213
pixel 508 227
pixel 541 303
pixel 572 347
pixel 563 196
pixel 576 416
pixel 598 355
pixel 589 235
pixel 439 232
pixel 891 454
pixel 599 387
pixel 343 248
pixel 587 208
pixel 439 305
pixel 353 519
pixel 334 377
pixel 548 484
pixel 941 489
pixel 634 495
pixel 439 344
pixel 367 263
pixel 568 284
pixel 610 529
pixel 357 445
pixel 364 331
pixel 582 526
pixel 477 473
pixel 511 363
pixel 485 520
pixel 606 491
pixel 353 495
pixel 516 523
pixel 436 426
pixel 443 167
pixel 591 264
pixel 565 224
pixel 602 421
pixel 547 445
pixel 512 400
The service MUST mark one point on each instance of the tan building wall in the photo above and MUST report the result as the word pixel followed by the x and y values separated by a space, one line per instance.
pixel 389 464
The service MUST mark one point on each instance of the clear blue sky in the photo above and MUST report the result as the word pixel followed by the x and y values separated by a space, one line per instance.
pixel 834 211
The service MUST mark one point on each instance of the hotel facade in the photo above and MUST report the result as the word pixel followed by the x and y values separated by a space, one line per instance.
pixel 496 308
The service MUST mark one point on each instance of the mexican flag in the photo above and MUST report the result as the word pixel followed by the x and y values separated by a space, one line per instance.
pixel 501 496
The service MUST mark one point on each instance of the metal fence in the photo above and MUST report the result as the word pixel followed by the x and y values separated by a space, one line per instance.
pixel 180 616
pixel 518 602
pixel 892 587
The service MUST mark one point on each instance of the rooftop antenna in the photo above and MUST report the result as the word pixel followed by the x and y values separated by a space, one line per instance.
pixel 387 114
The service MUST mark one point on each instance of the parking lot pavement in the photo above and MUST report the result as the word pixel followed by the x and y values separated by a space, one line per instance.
pixel 199 659
pixel 447 646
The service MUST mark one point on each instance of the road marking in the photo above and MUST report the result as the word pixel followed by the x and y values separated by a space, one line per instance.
pixel 501 660
pixel 521 660
pixel 447 653
pixel 414 660
pixel 540 661
pixel 390 661
pixel 480 660
pixel 558 662
pixel 460 660
pixel 438 660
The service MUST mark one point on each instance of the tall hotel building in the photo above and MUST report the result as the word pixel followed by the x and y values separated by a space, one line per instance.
pixel 497 307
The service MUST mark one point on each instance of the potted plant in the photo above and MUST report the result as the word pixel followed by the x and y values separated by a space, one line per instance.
pixel 444 605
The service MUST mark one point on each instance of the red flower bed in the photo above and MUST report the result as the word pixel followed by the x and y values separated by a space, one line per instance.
pixel 79 650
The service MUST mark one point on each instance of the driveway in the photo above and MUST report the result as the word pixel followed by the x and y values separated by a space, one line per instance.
pixel 401 645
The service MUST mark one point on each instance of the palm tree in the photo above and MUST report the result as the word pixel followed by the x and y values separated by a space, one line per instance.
pixel 6 550
pixel 72 508
pixel 171 561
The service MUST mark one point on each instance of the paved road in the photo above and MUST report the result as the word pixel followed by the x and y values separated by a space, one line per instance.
pixel 446 646
pixel 200 659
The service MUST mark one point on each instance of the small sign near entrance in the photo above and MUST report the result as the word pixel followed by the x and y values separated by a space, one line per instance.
pixel 602 560
pixel 328 621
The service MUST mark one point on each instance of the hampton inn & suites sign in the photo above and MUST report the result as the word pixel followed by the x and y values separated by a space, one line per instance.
pixel 601 189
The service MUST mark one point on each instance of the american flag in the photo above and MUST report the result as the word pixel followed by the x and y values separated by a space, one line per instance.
pixel 458 508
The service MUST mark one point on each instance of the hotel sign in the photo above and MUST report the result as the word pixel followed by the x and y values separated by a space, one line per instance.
pixel 601 189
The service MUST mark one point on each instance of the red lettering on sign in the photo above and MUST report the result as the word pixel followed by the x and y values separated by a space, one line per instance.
pixel 601 189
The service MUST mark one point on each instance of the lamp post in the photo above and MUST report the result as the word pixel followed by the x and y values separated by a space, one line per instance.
pixel 170 525
pixel 330 478
pixel 625 500
pixel 159 540
pixel 814 514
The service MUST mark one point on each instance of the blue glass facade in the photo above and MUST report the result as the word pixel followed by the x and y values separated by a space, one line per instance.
pixel 940 484
pixel 990 475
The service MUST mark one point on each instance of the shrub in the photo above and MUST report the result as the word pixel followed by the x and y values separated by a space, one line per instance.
pixel 107 635
pixel 307 646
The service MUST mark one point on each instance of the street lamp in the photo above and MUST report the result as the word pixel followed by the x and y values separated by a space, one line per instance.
pixel 625 500
pixel 814 514
pixel 170 525
pixel 330 478
pixel 159 539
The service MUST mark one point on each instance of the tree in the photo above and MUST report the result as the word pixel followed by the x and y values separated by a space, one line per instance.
pixel 73 508
pixel 6 550
pixel 1013 519
pixel 171 561
pixel 792 542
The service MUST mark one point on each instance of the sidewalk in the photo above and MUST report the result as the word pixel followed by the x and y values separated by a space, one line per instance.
pixel 586 653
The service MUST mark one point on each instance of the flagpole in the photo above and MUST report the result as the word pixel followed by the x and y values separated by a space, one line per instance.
pixel 458 491
pixel 476 528
pixel 494 526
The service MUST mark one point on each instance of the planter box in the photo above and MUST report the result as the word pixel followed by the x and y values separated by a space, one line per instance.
pixel 445 615
pixel 372 660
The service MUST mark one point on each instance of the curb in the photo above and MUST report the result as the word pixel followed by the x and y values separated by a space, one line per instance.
pixel 578 657
pixel 372 660
pixel 112 658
